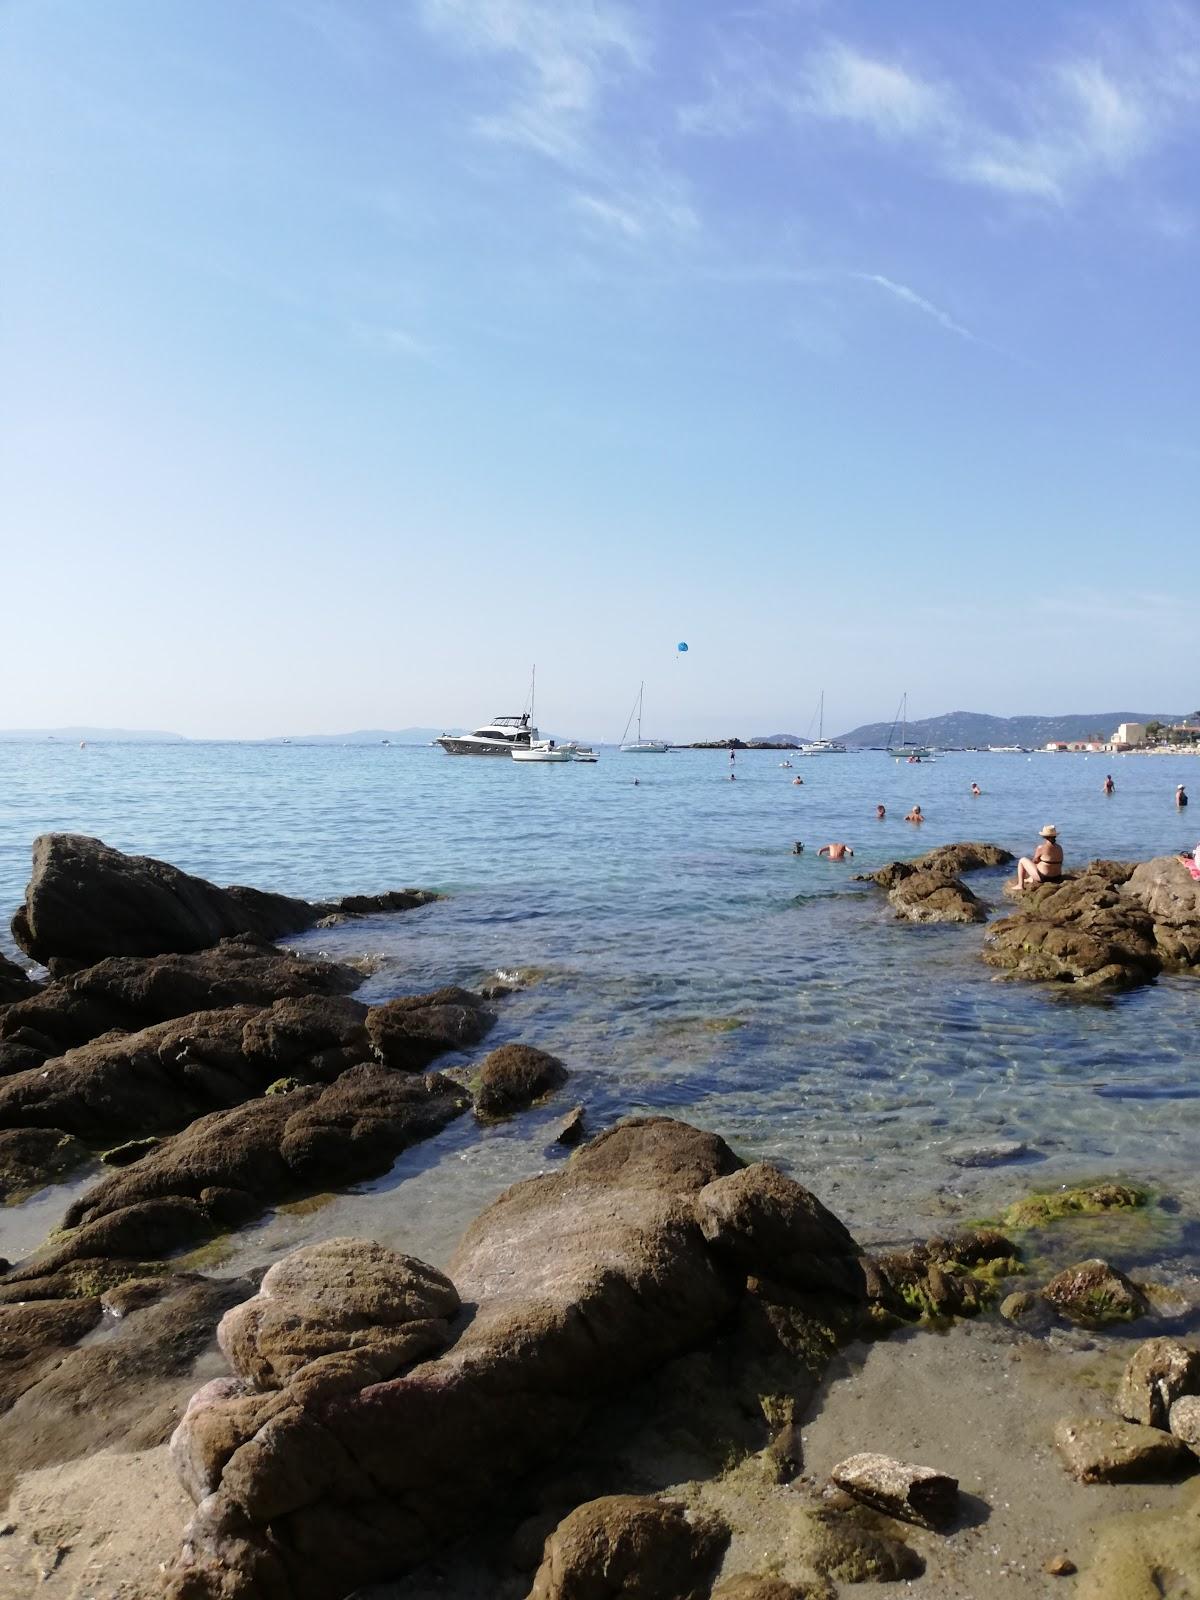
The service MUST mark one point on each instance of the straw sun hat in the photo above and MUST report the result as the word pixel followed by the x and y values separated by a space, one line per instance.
pixel 1049 831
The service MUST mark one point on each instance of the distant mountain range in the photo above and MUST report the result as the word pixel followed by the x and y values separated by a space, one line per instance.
pixel 964 728
pixel 94 735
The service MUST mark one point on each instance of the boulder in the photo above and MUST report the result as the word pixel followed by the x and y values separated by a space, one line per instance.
pixel 226 1166
pixel 951 1277
pixel 414 1030
pixel 759 1586
pixel 759 1215
pixel 1095 1293
pixel 514 1076
pixel 1166 890
pixel 133 992
pixel 1158 1373
pixel 914 1494
pixel 340 1296
pixel 1084 930
pixel 15 982
pixel 1184 1421
pixel 629 1547
pixel 30 1157
pixel 86 901
pixel 934 896
pixel 574 1284
pixel 968 856
pixel 1095 1450
pixel 569 1130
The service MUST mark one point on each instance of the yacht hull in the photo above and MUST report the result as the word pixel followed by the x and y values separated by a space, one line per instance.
pixel 474 747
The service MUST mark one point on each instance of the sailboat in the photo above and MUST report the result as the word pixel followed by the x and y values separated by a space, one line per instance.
pixel 821 746
pixel 905 747
pixel 640 746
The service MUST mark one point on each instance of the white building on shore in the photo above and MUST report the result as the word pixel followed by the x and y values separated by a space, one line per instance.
pixel 1130 733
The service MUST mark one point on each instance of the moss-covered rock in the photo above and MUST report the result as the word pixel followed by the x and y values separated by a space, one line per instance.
pixel 1038 1210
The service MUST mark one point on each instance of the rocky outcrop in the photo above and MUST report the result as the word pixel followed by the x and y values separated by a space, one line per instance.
pixel 15 982
pixel 1113 926
pixel 629 1547
pixel 514 1076
pixel 124 1086
pixel 29 1157
pixel 945 1277
pixel 1093 1292
pixel 946 861
pixel 933 896
pixel 573 1284
pixel 413 1031
pixel 34 1333
pixel 1158 1373
pixel 1166 890
pixel 133 992
pixel 86 901
pixel 1095 1450
pixel 225 1167
pixel 1084 931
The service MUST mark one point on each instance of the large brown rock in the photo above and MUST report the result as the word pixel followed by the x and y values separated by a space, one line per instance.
pixel 411 1032
pixel 573 1285
pixel 931 895
pixel 913 1493
pixel 1084 930
pixel 125 1086
pixel 1095 1450
pixel 226 1166
pixel 762 1221
pixel 133 992
pixel 15 982
pixel 945 861
pixel 33 1334
pixel 1093 1292
pixel 30 1157
pixel 514 1076
pixel 1157 1374
pixel 629 1547
pixel 1167 891
pixel 86 901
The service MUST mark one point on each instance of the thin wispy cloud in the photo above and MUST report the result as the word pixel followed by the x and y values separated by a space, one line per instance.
pixel 562 56
pixel 910 297
pixel 842 84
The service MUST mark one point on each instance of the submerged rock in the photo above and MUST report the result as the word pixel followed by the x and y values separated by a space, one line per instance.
pixel 1158 1373
pixel 953 1277
pixel 1095 1450
pixel 514 1076
pixel 574 1284
pixel 1094 1292
pixel 932 896
pixel 1092 1199
pixel 914 1494
pixel 569 1130
pixel 629 1546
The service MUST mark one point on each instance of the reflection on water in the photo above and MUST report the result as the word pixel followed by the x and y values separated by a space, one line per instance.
pixel 686 962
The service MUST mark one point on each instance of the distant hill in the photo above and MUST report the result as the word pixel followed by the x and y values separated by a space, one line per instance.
pixel 959 728
pixel 94 735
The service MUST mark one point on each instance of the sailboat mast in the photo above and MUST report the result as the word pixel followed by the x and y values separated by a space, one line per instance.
pixel 641 692
pixel 821 719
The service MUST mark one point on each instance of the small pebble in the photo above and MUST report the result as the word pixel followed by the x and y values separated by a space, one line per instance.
pixel 1061 1567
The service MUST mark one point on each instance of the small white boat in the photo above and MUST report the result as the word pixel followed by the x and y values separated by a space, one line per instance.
pixel 542 750
pixel 906 749
pixel 580 752
pixel 821 746
pixel 640 746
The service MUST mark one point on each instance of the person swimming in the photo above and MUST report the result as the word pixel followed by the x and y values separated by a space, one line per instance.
pixel 975 789
pixel 1109 786
pixel 1045 865
pixel 915 815
pixel 1181 797
pixel 835 852
pixel 881 812
pixel 797 779
pixel 797 848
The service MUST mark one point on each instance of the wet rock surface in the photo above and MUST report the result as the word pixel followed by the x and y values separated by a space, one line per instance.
pixel 412 1032
pixel 1171 896
pixel 629 1547
pixel 30 1157
pixel 1095 1450
pixel 933 896
pixel 1183 1420
pixel 945 861
pixel 514 1076
pixel 1158 1373
pixel 573 1285
pixel 913 1493
pixel 1093 1292
pixel 15 982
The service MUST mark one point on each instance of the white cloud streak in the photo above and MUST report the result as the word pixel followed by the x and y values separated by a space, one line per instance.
pixel 910 297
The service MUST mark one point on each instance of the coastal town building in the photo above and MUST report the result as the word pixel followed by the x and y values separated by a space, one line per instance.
pixel 1130 733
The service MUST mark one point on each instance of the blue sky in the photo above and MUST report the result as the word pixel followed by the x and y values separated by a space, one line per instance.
pixel 359 354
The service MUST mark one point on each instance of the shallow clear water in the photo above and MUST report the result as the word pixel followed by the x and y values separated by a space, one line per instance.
pixel 686 962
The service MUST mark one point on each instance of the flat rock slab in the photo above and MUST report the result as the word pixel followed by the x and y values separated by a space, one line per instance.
pixel 1095 1450
pixel 913 1493
pixel 988 1155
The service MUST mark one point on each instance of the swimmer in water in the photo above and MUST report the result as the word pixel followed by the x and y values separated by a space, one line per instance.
pixel 797 848
pixel 835 852
pixel 975 789
pixel 915 815
pixel 881 812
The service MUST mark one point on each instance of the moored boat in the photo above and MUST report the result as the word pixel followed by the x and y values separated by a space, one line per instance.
pixel 640 746
pixel 542 750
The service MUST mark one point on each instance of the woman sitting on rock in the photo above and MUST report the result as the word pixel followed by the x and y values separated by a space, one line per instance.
pixel 1045 865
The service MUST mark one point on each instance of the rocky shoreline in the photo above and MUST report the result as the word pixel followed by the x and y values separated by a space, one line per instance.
pixel 610 1387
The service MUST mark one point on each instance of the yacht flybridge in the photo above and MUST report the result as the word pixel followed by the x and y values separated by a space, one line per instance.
pixel 503 736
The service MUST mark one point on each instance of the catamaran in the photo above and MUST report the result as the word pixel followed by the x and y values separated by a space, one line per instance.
pixel 821 746
pixel 640 746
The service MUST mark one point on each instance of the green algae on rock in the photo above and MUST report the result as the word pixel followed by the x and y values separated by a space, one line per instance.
pixel 1038 1209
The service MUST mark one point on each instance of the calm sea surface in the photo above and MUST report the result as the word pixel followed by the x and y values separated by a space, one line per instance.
pixel 684 961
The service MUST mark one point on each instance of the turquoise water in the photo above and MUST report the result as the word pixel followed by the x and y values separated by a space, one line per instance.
pixel 685 961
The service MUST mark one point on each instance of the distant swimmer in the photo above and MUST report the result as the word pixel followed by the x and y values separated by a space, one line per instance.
pixel 732 755
pixel 636 781
pixel 797 848
pixel 785 763
pixel 1109 786
pixel 914 761
pixel 733 777
pixel 1045 865
pixel 915 815
pixel 975 789
pixel 881 812
pixel 1181 798
pixel 797 779
pixel 835 852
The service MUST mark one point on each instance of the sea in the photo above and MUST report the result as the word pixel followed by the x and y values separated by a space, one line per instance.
pixel 671 948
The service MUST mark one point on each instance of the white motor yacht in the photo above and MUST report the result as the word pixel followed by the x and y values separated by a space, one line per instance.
pixel 542 750
pixel 503 736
